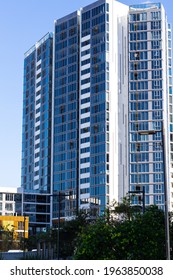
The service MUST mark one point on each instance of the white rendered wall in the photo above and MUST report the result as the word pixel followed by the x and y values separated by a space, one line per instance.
pixel 118 98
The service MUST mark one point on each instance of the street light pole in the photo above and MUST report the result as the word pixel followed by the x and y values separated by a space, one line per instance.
pixel 59 209
pixel 167 235
pixel 143 201
pixel 59 195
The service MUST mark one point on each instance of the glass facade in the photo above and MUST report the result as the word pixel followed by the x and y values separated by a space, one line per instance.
pixel 170 123
pixel 94 105
pixel 81 111
pixel 66 115
pixel 37 110
pixel 147 101
pixel 94 113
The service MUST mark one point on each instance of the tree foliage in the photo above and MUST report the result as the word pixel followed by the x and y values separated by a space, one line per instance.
pixel 123 233
pixel 137 236
pixel 69 232
pixel 6 237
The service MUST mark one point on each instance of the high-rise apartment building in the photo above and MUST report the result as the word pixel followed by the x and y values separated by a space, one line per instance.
pixel 89 89
pixel 150 103
pixel 96 94
pixel 36 133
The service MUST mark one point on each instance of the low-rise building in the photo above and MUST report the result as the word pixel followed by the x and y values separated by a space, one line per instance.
pixel 10 201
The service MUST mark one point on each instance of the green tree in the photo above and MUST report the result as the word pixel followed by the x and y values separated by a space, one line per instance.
pixel 171 234
pixel 69 232
pixel 136 236
pixel 142 238
pixel 122 210
pixel 95 241
pixel 6 236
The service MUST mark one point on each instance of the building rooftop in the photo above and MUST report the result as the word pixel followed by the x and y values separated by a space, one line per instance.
pixel 8 189
pixel 145 6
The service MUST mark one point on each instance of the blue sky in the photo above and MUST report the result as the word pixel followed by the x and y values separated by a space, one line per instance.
pixel 22 23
